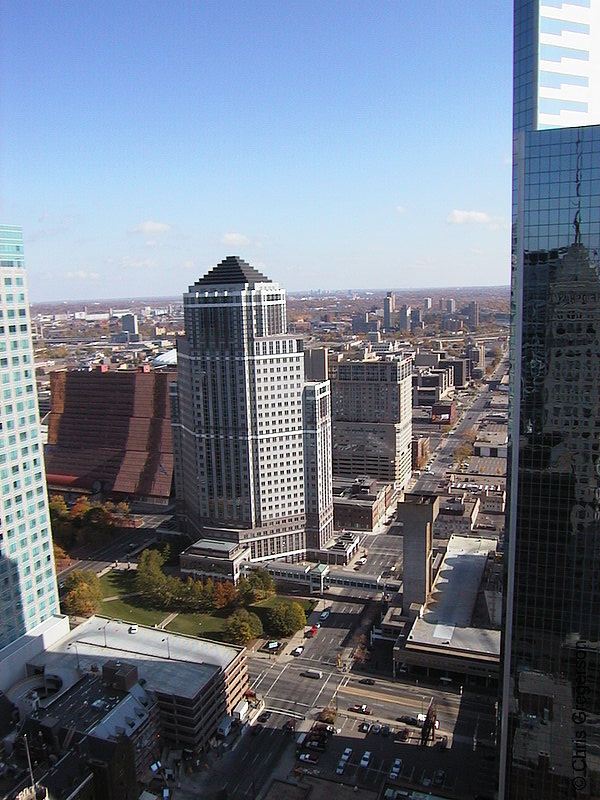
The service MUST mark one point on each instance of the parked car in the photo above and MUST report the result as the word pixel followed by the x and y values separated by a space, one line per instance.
pixel 340 768
pixel 376 729
pixel 404 733
pixel 297 651
pixel 310 757
pixel 346 754
pixel 366 759
pixel 385 730
pixel 438 777
pixel 408 720
pixel 360 708
pixel 395 771
pixel 364 727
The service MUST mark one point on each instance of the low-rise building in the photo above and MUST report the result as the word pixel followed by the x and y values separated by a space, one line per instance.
pixel 360 504
pixel 216 559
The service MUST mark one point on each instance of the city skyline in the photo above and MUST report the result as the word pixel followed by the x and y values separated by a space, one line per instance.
pixel 299 137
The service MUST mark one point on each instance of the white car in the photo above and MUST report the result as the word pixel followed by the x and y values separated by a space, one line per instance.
pixel 395 771
pixel 325 614
pixel 366 759
pixel 297 651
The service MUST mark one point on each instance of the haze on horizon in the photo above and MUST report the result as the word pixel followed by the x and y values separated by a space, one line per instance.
pixel 330 145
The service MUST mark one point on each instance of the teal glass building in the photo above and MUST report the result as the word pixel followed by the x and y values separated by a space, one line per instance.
pixel 28 591
pixel 550 691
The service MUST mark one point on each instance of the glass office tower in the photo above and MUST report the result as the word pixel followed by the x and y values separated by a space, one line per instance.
pixel 550 747
pixel 28 592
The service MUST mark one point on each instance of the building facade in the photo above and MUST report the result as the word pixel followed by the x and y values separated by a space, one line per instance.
pixel 318 486
pixel 551 647
pixel 28 591
pixel 372 419
pixel 238 435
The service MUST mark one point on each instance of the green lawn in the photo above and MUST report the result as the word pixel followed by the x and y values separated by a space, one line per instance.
pixel 209 626
pixel 129 612
pixel 118 581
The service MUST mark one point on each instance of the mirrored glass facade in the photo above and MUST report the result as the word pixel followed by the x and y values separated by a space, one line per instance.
pixel 28 592
pixel 550 703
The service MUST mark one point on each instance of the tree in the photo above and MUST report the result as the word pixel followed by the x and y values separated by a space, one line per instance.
pixel 242 626
pixel 237 631
pixel 58 507
pixel 83 593
pixel 79 510
pixel 284 619
pixel 219 599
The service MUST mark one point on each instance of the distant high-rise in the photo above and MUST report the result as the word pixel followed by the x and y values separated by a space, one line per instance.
pixel 404 319
pixel 372 419
pixel 237 414
pixel 389 306
pixel 450 305
pixel 551 646
pixel 129 324
pixel 473 313
pixel 427 303
pixel 28 592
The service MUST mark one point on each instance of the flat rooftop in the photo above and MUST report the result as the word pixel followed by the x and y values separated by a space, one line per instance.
pixel 446 621
pixel 180 664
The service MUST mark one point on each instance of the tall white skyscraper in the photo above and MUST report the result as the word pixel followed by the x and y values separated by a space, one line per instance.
pixel 237 414
pixel 28 592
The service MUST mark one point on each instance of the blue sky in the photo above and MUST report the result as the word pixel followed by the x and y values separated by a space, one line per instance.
pixel 331 144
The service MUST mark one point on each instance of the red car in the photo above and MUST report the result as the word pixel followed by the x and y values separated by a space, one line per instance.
pixel 360 709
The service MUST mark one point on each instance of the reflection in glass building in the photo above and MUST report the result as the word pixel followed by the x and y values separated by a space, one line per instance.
pixel 550 709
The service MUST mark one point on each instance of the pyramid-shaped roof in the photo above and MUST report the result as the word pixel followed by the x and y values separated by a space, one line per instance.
pixel 232 270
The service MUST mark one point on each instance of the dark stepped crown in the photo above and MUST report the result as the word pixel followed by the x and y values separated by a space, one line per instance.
pixel 232 270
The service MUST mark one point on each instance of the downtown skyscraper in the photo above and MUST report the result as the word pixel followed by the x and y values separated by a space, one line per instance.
pixel 551 651
pixel 237 415
pixel 28 592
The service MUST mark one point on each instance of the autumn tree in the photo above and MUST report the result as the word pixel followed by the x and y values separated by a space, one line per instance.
pixel 243 626
pixel 83 593
pixel 284 619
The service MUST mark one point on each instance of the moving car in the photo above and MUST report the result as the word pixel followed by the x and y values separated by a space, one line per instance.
pixel 367 681
pixel 297 651
pixel 325 614
pixel 264 716
pixel 360 708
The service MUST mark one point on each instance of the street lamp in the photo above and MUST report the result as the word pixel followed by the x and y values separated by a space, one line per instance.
pixel 166 639
pixel 103 629
pixel 74 644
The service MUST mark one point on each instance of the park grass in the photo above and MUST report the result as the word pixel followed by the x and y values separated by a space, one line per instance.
pixel 117 582
pixel 206 626
pixel 131 612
